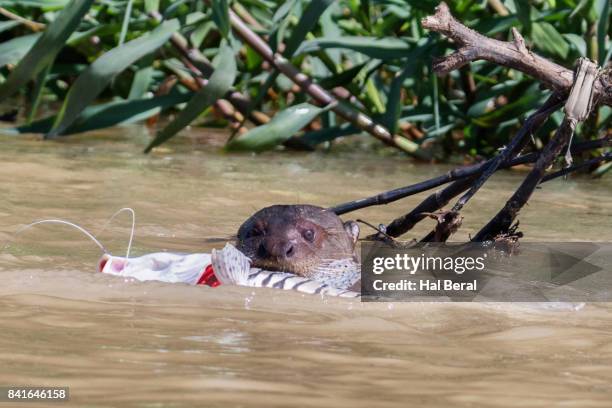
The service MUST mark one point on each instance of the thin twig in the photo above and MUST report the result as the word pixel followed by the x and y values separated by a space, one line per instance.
pixel 574 168
pixel 32 25
pixel 499 7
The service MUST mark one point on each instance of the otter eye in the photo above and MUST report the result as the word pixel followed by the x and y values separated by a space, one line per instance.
pixel 254 232
pixel 308 235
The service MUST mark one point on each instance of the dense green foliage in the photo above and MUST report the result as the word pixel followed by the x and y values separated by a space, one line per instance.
pixel 110 61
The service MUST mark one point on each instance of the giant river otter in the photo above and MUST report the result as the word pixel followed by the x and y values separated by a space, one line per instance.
pixel 301 239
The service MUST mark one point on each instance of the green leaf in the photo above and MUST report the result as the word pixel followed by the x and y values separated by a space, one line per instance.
pixel 328 134
pixel 580 7
pixel 102 30
pixel 126 21
pixel 12 51
pixel 602 169
pixel 151 5
pixel 547 38
pixel 394 102
pixel 371 92
pixel 525 13
pixel 380 48
pixel 99 74
pixel 220 15
pixel 46 47
pixel 284 125
pixel 281 19
pixel 7 25
pixel 140 83
pixel 479 108
pixel 343 78
pixel 509 111
pixel 330 29
pixel 200 32
pixel 280 22
pixel 220 82
pixel 603 11
pixel 578 42
pixel 494 25
pixel 253 59
pixel 110 114
pixel 438 129
pixel 38 91
pixel 43 4
pixel 307 23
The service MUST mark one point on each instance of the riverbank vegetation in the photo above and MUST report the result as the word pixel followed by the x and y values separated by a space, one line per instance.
pixel 299 73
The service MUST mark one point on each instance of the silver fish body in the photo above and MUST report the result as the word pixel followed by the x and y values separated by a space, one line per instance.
pixel 287 281
pixel 233 267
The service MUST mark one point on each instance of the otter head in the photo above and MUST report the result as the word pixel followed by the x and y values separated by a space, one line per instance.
pixel 296 238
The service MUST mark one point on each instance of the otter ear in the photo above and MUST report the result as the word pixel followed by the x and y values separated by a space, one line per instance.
pixel 352 229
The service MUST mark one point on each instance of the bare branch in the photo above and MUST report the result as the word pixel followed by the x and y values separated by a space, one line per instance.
pixel 504 218
pixel 454 61
pixel 513 148
pixel 466 175
pixel 519 42
pixel 32 25
pixel 473 46
pixel 577 108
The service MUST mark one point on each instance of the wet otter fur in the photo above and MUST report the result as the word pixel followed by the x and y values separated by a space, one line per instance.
pixel 300 239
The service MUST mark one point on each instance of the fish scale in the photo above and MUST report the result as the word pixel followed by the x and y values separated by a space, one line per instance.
pixel 232 267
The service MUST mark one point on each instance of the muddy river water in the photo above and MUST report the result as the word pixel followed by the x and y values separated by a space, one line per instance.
pixel 123 343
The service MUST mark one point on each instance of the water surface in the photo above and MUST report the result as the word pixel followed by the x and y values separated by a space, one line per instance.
pixel 122 343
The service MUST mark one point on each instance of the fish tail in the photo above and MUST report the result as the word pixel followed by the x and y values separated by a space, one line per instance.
pixel 231 266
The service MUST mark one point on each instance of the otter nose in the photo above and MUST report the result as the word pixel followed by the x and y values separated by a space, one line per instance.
pixel 276 249
pixel 288 250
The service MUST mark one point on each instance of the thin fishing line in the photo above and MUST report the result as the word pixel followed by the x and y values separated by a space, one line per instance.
pixel 133 213
pixel 57 221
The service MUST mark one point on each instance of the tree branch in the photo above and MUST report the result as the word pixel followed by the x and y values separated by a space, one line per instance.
pixel 474 46
pixel 504 218
pixel 449 221
pixel 32 25
pixel 577 109
pixel 462 180
pixel 465 175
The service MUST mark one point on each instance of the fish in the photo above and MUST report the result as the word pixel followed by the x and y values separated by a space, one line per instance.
pixel 234 268
pixel 229 266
